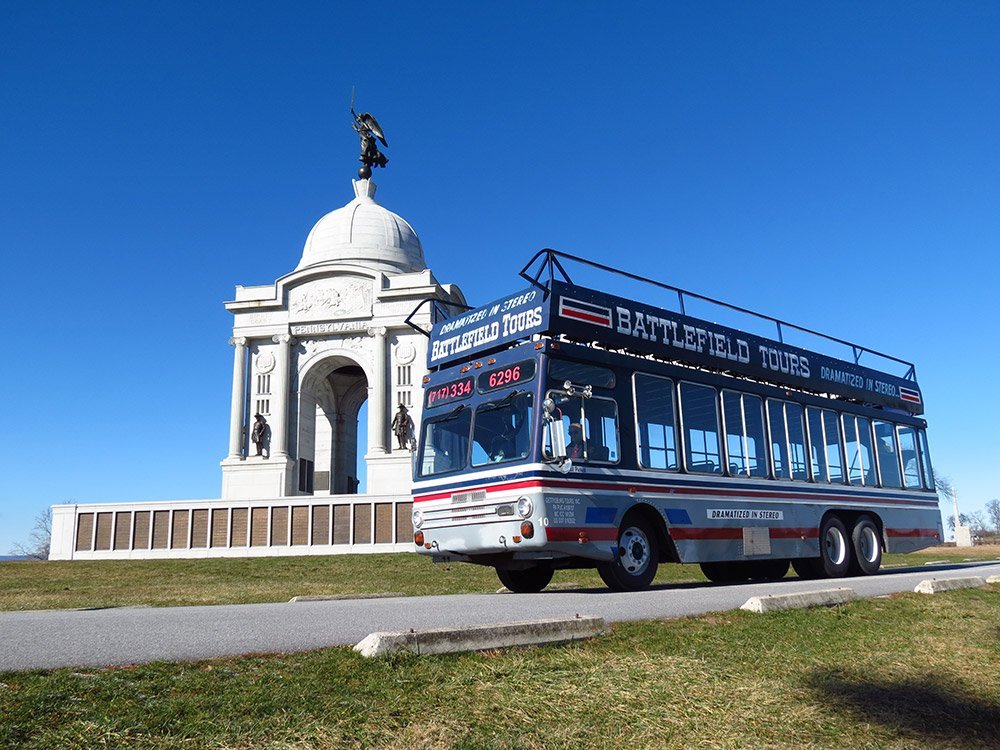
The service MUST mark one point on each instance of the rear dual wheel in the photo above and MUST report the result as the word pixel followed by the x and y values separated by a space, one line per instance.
pixel 866 545
pixel 857 553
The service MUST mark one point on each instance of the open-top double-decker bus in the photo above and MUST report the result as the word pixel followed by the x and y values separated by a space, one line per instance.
pixel 564 427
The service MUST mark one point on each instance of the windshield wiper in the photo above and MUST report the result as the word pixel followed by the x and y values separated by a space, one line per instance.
pixel 452 414
pixel 504 401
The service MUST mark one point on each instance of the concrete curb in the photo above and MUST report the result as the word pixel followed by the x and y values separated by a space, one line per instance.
pixel 342 597
pixel 481 637
pixel 821 598
pixel 993 579
pixel 936 585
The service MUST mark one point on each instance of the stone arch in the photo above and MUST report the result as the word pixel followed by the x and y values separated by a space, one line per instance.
pixel 332 389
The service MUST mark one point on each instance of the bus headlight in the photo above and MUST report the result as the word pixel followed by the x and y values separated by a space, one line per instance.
pixel 524 507
pixel 418 519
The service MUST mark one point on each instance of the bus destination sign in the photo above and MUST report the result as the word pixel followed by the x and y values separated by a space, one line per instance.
pixel 501 377
pixel 455 390
pixel 488 327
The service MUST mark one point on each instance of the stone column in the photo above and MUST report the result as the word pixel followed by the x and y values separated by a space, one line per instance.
pixel 279 427
pixel 239 344
pixel 377 425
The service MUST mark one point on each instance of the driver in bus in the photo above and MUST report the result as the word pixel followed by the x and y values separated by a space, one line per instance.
pixel 576 447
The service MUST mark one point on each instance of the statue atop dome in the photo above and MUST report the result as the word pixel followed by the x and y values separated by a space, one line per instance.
pixel 366 126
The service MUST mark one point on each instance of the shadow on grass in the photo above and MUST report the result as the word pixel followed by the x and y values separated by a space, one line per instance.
pixel 928 710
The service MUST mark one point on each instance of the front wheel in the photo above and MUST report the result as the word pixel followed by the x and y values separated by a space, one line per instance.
pixel 634 567
pixel 528 581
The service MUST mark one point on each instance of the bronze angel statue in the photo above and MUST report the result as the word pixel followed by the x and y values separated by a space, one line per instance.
pixel 366 126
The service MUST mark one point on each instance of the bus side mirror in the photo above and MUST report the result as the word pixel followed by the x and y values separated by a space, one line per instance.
pixel 555 438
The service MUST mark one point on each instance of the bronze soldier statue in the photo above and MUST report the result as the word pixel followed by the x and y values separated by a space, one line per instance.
pixel 260 435
pixel 402 427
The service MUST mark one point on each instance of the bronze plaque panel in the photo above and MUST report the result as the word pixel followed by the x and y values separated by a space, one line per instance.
pixel 84 531
pixel 140 534
pixel 321 524
pixel 341 524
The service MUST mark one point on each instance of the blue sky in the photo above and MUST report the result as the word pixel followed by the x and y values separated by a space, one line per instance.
pixel 834 164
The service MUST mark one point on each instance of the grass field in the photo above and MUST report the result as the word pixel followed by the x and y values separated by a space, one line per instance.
pixel 908 671
pixel 161 583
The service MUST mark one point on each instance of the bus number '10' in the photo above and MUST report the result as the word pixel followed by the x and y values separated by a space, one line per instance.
pixel 505 377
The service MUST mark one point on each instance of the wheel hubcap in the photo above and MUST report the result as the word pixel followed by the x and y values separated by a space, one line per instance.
pixel 869 545
pixel 633 550
pixel 836 549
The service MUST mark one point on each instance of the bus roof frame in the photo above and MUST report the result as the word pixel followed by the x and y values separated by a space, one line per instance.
pixel 556 307
pixel 552 264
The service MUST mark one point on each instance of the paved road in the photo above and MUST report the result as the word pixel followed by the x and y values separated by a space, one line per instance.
pixel 78 638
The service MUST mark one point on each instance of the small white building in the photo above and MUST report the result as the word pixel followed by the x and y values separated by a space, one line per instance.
pixel 309 351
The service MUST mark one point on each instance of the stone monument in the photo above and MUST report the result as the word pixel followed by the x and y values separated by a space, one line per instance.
pixel 319 342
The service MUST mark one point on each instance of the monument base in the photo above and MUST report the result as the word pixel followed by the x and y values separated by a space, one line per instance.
pixel 963 536
pixel 257 477
pixel 390 473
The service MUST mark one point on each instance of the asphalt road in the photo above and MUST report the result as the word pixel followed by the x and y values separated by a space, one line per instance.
pixel 49 639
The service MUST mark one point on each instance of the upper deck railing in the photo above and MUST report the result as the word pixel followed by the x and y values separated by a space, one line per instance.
pixel 553 305
pixel 551 266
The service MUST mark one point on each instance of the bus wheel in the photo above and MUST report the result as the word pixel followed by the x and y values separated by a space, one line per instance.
pixel 867 547
pixel 529 581
pixel 834 548
pixel 768 570
pixel 808 567
pixel 726 572
pixel 637 559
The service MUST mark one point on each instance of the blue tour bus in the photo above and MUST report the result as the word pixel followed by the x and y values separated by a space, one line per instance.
pixel 564 427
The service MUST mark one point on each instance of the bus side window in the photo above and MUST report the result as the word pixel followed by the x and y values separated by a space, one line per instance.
pixel 779 439
pixel 601 430
pixel 817 444
pixel 908 453
pixel 796 441
pixel 858 441
pixel 888 454
pixel 744 434
pixel 925 461
pixel 832 439
pixel 654 414
pixel 700 422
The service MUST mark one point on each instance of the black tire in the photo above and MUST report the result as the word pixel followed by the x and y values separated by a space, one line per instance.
pixel 834 548
pixel 835 558
pixel 726 572
pixel 808 567
pixel 768 570
pixel 528 581
pixel 638 557
pixel 866 546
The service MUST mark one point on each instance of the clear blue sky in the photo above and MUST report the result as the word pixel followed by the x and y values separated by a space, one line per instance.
pixel 833 164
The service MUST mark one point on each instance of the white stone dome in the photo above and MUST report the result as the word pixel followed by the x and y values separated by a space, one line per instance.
pixel 363 233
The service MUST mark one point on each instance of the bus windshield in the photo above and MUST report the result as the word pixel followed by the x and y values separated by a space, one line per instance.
pixel 498 431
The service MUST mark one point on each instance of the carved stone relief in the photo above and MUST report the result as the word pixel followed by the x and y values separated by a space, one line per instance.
pixel 309 348
pixel 265 362
pixel 332 298
pixel 405 353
